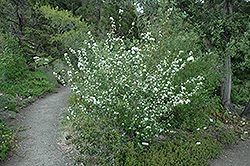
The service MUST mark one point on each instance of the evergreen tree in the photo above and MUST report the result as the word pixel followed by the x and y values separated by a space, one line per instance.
pixel 222 26
pixel 97 14
pixel 31 28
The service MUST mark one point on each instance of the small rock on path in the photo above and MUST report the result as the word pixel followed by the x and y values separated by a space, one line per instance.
pixel 41 137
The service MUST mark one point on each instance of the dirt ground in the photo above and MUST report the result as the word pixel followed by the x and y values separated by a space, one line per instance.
pixel 42 141
pixel 235 155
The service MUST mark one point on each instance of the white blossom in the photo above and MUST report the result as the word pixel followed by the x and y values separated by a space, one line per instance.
pixel 191 58
pixel 198 143
pixel 120 11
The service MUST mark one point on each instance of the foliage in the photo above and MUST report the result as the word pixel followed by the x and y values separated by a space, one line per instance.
pixel 96 14
pixel 125 19
pixel 98 141
pixel 7 139
pixel 30 28
pixel 39 34
pixel 32 84
pixel 70 30
pixel 180 149
pixel 224 29
pixel 134 91
pixel 227 128
pixel 16 82
pixel 240 92
pixel 12 61
pixel 20 93
pixel 241 58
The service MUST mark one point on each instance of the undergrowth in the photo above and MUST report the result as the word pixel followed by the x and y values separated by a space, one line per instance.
pixel 7 139
pixel 180 149
pixel 149 101
pixel 14 95
pixel 177 147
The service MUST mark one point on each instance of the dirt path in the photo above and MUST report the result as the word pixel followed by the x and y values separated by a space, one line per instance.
pixel 236 155
pixel 41 143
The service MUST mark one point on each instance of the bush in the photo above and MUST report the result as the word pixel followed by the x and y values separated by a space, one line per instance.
pixel 101 142
pixel 12 61
pixel 135 91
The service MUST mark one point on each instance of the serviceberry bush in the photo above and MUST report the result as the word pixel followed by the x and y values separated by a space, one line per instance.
pixel 126 91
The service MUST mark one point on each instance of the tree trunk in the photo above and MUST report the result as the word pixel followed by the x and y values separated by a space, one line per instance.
pixel 226 87
pixel 246 112
pixel 227 81
pixel 99 17
pixel 98 12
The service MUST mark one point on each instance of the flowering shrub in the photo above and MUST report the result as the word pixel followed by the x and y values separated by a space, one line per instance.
pixel 129 86
pixel 130 89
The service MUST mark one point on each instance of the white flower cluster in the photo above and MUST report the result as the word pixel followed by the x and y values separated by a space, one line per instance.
pixel 60 78
pixel 41 61
pixel 120 11
pixel 130 85
pixel 147 36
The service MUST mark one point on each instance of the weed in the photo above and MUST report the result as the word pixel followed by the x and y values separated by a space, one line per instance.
pixel 7 139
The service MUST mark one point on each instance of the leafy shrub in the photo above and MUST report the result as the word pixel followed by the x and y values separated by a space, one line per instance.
pixel 134 91
pixel 239 50
pixel 32 84
pixel 7 102
pixel 48 72
pixel 3 100
pixel 100 143
pixel 16 82
pixel 60 71
pixel 19 94
pixel 12 61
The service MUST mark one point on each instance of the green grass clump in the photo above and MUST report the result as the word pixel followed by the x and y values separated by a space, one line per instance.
pixel 18 93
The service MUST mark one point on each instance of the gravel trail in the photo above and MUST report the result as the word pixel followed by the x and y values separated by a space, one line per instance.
pixel 41 143
pixel 236 155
